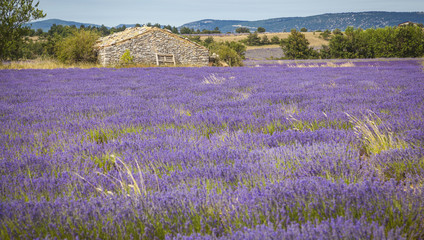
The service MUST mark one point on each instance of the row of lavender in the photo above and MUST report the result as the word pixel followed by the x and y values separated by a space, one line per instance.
pixel 273 151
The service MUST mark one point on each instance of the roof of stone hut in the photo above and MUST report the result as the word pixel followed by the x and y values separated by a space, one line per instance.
pixel 129 34
pixel 118 37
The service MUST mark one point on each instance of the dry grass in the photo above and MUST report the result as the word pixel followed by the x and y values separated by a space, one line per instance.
pixel 374 135
pixel 264 46
pixel 45 64
pixel 314 40
pixel 213 79
pixel 54 64
pixel 126 181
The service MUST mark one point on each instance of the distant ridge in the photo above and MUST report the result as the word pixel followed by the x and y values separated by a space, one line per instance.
pixel 46 24
pixel 329 21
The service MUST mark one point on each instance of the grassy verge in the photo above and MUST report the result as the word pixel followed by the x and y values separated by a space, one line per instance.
pixel 54 64
pixel 44 64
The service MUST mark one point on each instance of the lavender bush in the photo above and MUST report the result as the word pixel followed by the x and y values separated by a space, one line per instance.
pixel 268 152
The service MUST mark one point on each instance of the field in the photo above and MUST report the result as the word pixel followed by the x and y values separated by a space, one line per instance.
pixel 269 151
pixel 313 38
pixel 267 51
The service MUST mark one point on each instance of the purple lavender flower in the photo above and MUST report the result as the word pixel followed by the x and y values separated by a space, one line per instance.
pixel 160 153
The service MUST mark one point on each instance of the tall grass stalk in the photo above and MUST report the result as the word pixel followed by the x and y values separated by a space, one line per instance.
pixel 130 186
pixel 375 137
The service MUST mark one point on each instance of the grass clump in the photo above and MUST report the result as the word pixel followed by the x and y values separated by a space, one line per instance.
pixel 125 182
pixel 374 136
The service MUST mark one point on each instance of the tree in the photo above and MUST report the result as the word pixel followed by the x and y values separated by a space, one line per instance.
pixel 104 31
pixel 14 14
pixel 168 27
pixel 383 42
pixel 39 32
pixel 325 35
pixel 296 46
pixel 208 41
pixel 253 39
pixel 275 40
pixel 337 31
pixel 265 40
pixel 354 43
pixel 185 30
pixel 304 29
pixel 261 30
pixel 195 39
pixel 324 52
pixel 226 54
pixel 339 46
pixel 175 30
pixel 410 41
pixel 77 48
pixel 238 47
pixel 242 30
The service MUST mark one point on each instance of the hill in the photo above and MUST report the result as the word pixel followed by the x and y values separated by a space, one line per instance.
pixel 319 22
pixel 46 24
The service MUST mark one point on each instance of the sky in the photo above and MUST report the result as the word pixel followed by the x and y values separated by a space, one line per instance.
pixel 178 12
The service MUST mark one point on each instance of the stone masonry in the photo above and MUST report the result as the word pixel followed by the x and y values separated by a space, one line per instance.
pixel 145 42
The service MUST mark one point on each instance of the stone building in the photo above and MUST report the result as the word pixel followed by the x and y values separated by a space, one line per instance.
pixel 150 45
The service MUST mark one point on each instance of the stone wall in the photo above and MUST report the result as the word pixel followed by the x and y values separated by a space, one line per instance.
pixel 143 49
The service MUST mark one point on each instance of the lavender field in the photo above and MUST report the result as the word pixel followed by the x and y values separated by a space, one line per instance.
pixel 329 151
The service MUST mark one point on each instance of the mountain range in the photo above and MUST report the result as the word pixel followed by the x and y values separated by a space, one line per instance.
pixel 329 21
pixel 46 24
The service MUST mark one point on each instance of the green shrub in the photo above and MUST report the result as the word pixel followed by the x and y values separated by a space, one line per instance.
pixel 226 54
pixel 265 40
pixel 126 58
pixel 195 39
pixel 296 46
pixel 78 47
pixel 275 40
pixel 208 41
pixel 253 39
pixel 238 47
pixel 242 30
pixel 405 41
pixel 326 34
pixel 229 56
